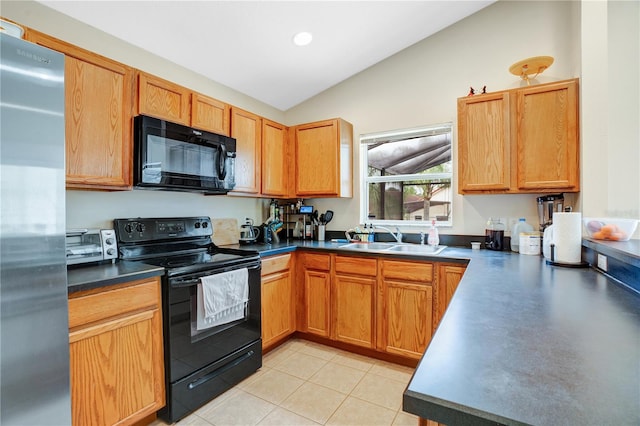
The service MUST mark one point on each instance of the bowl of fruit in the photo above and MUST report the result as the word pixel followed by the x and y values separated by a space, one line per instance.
pixel 609 228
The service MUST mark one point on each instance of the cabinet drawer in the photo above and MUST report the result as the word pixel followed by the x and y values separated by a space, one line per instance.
pixel 274 264
pixel 356 266
pixel 144 294
pixel 317 261
pixel 422 272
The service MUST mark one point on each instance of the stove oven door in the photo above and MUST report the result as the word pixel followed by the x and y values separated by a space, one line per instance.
pixel 202 362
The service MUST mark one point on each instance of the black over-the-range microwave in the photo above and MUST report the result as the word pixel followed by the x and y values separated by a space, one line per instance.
pixel 174 157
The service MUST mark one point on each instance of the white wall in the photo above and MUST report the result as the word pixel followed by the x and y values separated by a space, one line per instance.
pixel 421 84
pixel 594 40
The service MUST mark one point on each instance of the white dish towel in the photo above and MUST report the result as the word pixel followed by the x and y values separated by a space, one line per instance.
pixel 222 298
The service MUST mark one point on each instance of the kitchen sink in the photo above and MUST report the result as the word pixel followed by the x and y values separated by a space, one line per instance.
pixel 397 248
pixel 368 246
pixel 417 249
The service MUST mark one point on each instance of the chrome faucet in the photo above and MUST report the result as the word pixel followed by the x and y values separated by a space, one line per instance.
pixel 397 235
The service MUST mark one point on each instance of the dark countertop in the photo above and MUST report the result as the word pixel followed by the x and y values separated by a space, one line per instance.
pixel 523 342
pixel 94 276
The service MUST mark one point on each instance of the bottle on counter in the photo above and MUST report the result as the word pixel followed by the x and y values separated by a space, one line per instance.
pixel 434 238
pixel 518 228
pixel 494 235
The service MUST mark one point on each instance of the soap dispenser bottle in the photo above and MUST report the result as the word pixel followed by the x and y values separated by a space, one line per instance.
pixel 434 238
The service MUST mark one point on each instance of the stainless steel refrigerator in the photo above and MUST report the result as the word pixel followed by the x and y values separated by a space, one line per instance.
pixel 34 339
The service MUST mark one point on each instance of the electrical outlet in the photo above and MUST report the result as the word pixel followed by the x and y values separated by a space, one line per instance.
pixel 602 262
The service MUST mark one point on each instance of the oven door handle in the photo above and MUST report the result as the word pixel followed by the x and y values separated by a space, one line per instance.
pixel 202 380
pixel 194 279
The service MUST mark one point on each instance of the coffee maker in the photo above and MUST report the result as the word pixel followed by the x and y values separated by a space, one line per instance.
pixel 547 205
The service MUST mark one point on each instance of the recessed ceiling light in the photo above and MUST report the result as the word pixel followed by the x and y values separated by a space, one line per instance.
pixel 302 38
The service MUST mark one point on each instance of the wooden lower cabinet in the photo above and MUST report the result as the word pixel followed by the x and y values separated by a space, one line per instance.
pixel 316 293
pixel 406 307
pixel 278 299
pixel 449 276
pixel 354 301
pixel 117 365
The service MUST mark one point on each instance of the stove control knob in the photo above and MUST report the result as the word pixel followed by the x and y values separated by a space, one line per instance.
pixel 205 224
pixel 197 225
pixel 140 227
pixel 128 228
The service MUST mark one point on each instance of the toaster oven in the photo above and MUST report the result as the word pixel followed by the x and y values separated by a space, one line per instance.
pixel 90 245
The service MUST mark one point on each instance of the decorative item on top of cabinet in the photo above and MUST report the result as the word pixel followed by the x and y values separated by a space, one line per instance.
pixel 520 140
pixel 323 159
pixel 274 159
pixel 98 117
pixel 116 349
pixel 246 128
pixel 405 309
pixel 278 299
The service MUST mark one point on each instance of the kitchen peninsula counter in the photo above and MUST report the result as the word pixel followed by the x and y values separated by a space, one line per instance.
pixel 523 342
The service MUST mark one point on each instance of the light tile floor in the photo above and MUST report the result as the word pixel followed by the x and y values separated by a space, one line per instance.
pixel 305 383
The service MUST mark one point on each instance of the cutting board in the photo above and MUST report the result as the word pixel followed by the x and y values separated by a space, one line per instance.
pixel 225 231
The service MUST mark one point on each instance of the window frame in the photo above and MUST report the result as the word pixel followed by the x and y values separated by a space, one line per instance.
pixel 395 136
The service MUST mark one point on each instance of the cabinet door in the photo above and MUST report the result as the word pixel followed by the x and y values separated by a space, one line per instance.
pixel 317 291
pixel 408 319
pixel 116 354
pixel 449 277
pixel 354 310
pixel 317 159
pixel 484 143
pixel 274 155
pixel 210 114
pixel 278 315
pixel 547 136
pixel 246 128
pixel 163 99
pixel 98 117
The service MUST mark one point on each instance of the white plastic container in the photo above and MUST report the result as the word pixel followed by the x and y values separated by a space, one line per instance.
pixel 518 228
pixel 530 243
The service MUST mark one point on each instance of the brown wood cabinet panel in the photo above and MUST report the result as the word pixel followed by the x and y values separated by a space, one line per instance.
pixel 210 114
pixel 274 159
pixel 273 264
pixel 317 298
pixel 316 261
pixel 354 310
pixel 356 265
pixel 116 355
pixel 449 277
pixel 547 136
pixel 163 99
pixel 278 309
pixel 246 128
pixel 323 159
pixel 484 142
pixel 521 140
pixel 407 321
pixel 98 117
pixel 410 271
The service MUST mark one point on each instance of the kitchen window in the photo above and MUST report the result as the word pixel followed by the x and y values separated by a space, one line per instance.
pixel 407 176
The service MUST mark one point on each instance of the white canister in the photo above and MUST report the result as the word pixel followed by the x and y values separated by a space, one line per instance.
pixel 530 243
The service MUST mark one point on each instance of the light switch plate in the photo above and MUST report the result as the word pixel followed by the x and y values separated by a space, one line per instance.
pixel 602 262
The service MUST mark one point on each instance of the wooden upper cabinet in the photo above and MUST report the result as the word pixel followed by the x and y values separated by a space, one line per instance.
pixel 246 128
pixel 547 136
pixel 274 159
pixel 162 99
pixel 98 117
pixel 520 140
pixel 484 142
pixel 210 114
pixel 323 159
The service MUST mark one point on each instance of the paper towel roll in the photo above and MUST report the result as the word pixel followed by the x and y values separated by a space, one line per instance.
pixel 567 237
